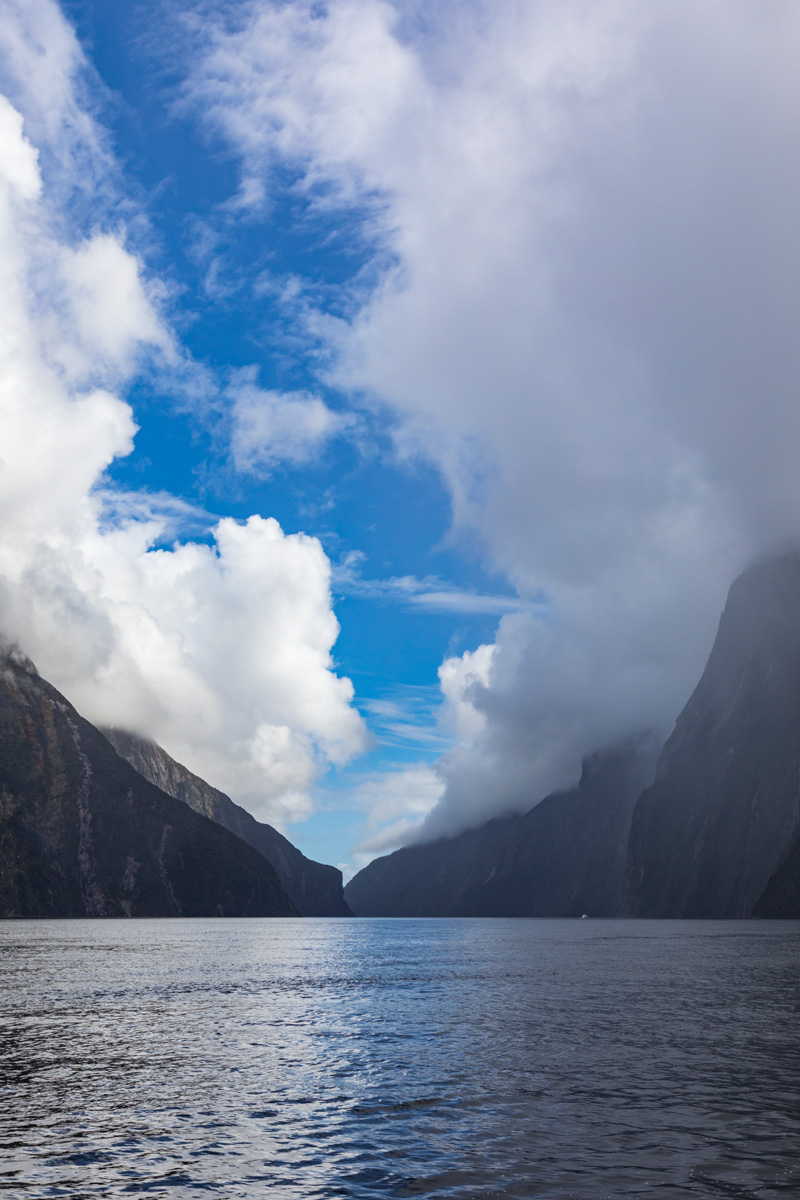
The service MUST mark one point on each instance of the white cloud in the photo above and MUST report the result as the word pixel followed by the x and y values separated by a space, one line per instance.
pixel 44 74
pixel 112 317
pixel 221 649
pixel 20 160
pixel 431 593
pixel 584 216
pixel 463 679
pixel 279 83
pixel 407 717
pixel 272 427
pixel 396 803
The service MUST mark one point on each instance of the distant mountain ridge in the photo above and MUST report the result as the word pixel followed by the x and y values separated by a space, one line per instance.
pixel 82 834
pixel 563 858
pixel 712 830
pixel 314 888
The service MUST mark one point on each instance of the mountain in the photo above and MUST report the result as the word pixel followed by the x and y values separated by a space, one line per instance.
pixel 723 811
pixel 315 889
pixel 563 858
pixel 82 834
pixel 781 897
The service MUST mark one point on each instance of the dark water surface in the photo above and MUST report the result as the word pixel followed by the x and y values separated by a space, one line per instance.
pixel 365 1059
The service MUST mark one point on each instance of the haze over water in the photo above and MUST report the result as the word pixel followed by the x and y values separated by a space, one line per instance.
pixel 369 1059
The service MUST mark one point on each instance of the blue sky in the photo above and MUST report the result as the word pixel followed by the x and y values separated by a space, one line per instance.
pixel 385 515
pixel 489 306
pixel 354 497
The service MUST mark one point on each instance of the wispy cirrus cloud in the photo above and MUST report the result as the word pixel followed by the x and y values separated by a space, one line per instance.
pixel 429 593
pixel 407 717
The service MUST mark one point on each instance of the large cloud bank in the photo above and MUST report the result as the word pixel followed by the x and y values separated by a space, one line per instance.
pixel 220 649
pixel 584 216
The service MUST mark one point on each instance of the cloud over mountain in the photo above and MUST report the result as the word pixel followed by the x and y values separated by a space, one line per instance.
pixel 219 648
pixel 581 307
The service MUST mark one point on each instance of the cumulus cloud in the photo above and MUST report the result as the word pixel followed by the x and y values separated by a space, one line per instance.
pixel 110 316
pixel 588 269
pixel 221 648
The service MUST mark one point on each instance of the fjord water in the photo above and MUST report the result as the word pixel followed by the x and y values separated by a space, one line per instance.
pixel 389 1058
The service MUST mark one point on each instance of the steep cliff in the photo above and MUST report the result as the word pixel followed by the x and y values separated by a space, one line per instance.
pixel 315 889
pixel 563 858
pixel 82 834
pixel 723 811
pixel 781 896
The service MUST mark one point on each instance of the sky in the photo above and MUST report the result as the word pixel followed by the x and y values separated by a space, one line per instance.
pixel 389 392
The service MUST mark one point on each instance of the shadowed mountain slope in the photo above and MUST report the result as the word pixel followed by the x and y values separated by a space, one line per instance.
pixel 781 897
pixel 82 834
pixel 563 858
pixel 724 809
pixel 315 889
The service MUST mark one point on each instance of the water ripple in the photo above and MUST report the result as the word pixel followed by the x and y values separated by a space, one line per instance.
pixel 378 1059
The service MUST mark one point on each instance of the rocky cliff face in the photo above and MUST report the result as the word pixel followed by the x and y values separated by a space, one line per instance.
pixel 564 858
pixel 781 897
pixel 315 889
pixel 82 834
pixel 723 811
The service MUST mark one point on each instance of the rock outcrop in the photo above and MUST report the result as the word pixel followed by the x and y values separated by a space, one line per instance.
pixel 315 889
pixel 724 809
pixel 82 834
pixel 563 858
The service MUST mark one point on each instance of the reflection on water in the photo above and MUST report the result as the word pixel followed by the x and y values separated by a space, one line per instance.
pixel 399 1058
